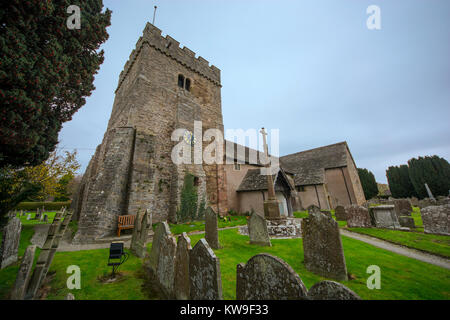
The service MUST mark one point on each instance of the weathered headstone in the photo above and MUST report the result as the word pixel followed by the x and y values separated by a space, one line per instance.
pixel 45 217
pixel 436 219
pixel 340 214
pixel 204 273
pixel 357 217
pixel 402 207
pixel 211 231
pixel 29 216
pixel 181 282
pixel 257 230
pixel 266 277
pixel 407 222
pixel 313 208
pixel 162 231
pixel 10 242
pixel 327 213
pixel 142 224
pixel 23 276
pixel 165 270
pixel 384 217
pixel 330 290
pixel 37 215
pixel 322 246
pixel 430 195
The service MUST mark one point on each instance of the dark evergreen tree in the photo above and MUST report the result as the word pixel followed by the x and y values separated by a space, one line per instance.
pixel 399 182
pixel 46 71
pixel 434 171
pixel 368 183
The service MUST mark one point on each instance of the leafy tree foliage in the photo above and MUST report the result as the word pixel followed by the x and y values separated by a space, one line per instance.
pixel 434 171
pixel 368 183
pixel 399 182
pixel 46 71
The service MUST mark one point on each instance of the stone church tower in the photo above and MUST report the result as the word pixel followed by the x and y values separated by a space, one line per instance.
pixel 162 87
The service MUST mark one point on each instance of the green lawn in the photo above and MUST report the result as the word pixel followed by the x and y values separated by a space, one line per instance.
pixel 24 220
pixel 230 221
pixel 401 277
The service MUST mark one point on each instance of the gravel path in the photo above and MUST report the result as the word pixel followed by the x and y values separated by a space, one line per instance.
pixel 404 251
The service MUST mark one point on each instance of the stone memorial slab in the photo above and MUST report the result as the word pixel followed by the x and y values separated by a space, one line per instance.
pixel 24 274
pixel 181 282
pixel 211 231
pixel 436 219
pixel 162 231
pixel 322 246
pixel 29 216
pixel 10 242
pixel 384 217
pixel 165 270
pixel 266 277
pixel 330 290
pixel 257 229
pixel 407 222
pixel 142 225
pixel 204 273
pixel 340 213
pixel 403 207
pixel 358 217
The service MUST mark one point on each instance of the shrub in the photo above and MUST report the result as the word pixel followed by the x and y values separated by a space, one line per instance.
pixel 32 206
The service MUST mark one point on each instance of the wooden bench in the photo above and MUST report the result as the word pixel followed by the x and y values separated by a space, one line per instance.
pixel 125 222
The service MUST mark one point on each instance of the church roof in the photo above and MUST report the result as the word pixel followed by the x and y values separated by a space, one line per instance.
pixel 309 166
pixel 254 181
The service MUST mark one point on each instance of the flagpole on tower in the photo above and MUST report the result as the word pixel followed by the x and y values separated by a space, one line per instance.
pixel 154 14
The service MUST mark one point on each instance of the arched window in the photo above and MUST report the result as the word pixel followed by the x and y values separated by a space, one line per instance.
pixel 181 81
pixel 187 84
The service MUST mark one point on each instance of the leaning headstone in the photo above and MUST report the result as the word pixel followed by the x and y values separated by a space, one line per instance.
pixel 330 290
pixel 181 282
pixel 10 242
pixel 266 277
pixel 211 232
pixel 340 214
pixel 204 273
pixel 357 217
pixel 384 217
pixel 161 231
pixel 24 274
pixel 430 195
pixel 436 219
pixel 322 246
pixel 407 222
pixel 402 207
pixel 70 296
pixel 139 238
pixel 257 230
pixel 165 270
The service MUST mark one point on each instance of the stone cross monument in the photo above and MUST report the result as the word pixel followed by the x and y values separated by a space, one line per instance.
pixel 271 205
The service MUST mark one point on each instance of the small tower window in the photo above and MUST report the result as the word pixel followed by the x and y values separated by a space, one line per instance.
pixel 187 84
pixel 237 166
pixel 196 181
pixel 181 81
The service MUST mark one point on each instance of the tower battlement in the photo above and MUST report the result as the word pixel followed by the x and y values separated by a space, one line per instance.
pixel 171 48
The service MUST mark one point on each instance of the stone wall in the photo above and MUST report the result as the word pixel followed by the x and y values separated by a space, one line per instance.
pixel 436 219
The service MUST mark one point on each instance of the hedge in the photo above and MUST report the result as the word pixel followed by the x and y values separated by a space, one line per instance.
pixel 32 206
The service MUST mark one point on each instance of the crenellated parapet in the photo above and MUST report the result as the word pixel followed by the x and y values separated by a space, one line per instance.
pixel 171 48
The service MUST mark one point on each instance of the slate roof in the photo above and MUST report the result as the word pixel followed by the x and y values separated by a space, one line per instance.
pixel 254 181
pixel 259 154
pixel 309 166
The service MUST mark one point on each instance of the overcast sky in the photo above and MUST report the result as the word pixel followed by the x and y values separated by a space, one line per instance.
pixel 311 68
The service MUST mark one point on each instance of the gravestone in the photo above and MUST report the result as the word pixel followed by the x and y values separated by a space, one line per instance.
pixel 10 242
pixel 436 219
pixel 70 296
pixel 161 231
pixel 139 238
pixel 181 282
pixel 313 208
pixel 430 194
pixel 204 273
pixel 384 217
pixel 42 216
pixel 257 230
pixel 327 213
pixel 37 215
pixel 29 216
pixel 402 207
pixel 407 222
pixel 340 214
pixel 165 270
pixel 46 218
pixel 322 246
pixel 357 217
pixel 24 274
pixel 266 277
pixel 211 232
pixel 330 290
